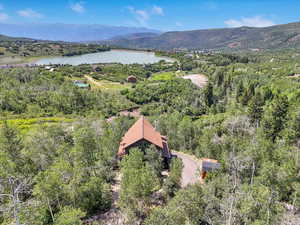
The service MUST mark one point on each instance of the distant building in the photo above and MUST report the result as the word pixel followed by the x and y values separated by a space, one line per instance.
pixel 131 79
pixel 208 165
pixel 142 132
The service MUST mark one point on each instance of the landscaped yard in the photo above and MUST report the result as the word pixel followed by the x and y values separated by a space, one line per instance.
pixel 163 76
pixel 106 85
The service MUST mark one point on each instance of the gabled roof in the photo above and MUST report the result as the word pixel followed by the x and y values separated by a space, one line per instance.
pixel 141 130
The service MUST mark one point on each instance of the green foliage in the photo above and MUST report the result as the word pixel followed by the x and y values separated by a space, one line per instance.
pixel 175 95
pixel 139 182
pixel 37 93
pixel 187 207
pixel 172 183
pixel 275 118
pixel 247 118
pixel 255 109
pixel 58 168
pixel 69 216
pixel 163 76
pixel 28 47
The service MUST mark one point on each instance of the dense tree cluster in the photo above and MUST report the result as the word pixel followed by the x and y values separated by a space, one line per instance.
pixel 56 175
pixel 27 47
pixel 176 95
pixel 36 92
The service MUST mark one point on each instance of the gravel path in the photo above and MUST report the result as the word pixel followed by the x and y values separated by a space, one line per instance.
pixel 198 79
pixel 190 172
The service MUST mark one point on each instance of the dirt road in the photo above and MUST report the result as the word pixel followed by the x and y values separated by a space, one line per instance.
pixel 93 81
pixel 190 172
pixel 198 79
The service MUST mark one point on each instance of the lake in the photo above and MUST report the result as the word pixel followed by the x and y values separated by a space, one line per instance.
pixel 113 56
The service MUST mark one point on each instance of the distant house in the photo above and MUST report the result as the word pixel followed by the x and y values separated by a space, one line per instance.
pixel 81 84
pixel 96 68
pixel 131 79
pixel 142 132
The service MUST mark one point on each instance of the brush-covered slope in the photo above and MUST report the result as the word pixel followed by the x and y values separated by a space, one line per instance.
pixel 279 36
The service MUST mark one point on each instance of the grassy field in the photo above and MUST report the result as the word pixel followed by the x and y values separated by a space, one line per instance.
pixel 29 123
pixel 11 60
pixel 106 85
pixel 163 76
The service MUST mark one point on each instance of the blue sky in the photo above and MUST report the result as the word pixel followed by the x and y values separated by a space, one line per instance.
pixel 157 14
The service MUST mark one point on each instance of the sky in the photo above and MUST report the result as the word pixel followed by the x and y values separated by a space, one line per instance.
pixel 163 15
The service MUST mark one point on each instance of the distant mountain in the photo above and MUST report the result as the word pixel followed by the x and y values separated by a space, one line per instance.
pixel 15 39
pixel 279 36
pixel 135 36
pixel 69 32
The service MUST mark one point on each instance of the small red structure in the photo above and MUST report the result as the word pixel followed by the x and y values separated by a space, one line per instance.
pixel 131 79
pixel 140 132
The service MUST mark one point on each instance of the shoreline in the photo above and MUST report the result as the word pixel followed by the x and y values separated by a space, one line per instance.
pixel 31 61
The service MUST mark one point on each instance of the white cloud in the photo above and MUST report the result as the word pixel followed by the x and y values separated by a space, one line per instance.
pixel 3 17
pixel 157 10
pixel 78 7
pixel 256 21
pixel 143 16
pixel 29 13
pixel 178 24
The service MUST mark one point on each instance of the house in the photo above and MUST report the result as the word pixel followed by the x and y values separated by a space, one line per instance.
pixel 131 79
pixel 141 133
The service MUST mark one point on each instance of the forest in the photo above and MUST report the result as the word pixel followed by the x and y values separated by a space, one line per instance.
pixel 23 47
pixel 58 150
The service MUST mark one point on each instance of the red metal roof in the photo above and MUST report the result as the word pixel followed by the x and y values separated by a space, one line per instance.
pixel 142 129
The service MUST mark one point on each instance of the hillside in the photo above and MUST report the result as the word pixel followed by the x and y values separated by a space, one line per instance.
pixel 14 39
pixel 59 142
pixel 15 50
pixel 68 32
pixel 279 36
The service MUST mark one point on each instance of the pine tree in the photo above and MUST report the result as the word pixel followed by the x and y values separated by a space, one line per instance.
pixel 274 121
pixel 255 109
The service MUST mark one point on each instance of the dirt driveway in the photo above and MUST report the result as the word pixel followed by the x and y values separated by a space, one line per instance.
pixel 198 79
pixel 190 172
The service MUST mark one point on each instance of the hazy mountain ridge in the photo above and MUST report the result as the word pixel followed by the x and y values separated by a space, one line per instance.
pixel 279 36
pixel 69 32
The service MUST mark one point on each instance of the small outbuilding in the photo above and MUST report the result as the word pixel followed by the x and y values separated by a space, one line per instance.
pixel 131 79
pixel 208 165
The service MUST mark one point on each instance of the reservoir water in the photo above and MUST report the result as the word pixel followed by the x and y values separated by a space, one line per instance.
pixel 113 56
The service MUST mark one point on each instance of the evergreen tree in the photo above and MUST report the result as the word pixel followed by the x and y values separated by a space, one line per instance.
pixel 208 94
pixel 275 119
pixel 255 109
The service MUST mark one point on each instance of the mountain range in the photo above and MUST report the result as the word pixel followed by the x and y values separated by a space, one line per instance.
pixel 242 38
pixel 69 32
pixel 279 36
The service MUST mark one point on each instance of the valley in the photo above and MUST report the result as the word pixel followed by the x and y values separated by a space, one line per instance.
pixel 171 134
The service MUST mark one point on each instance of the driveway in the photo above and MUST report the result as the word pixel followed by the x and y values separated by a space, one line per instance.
pixel 199 80
pixel 190 172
